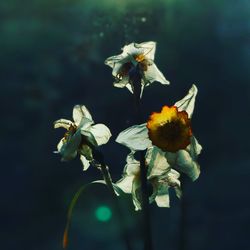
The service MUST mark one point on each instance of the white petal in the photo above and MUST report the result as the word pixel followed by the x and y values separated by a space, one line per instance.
pixel 194 148
pixel 63 123
pixel 173 181
pixel 118 65
pixel 162 195
pixel 80 112
pixel 101 133
pixel 188 102
pixel 59 145
pixel 133 166
pixel 124 82
pixel 162 200
pixel 136 193
pixel 125 184
pixel 69 148
pixel 154 74
pixel 146 48
pixel 113 60
pixel 149 49
pixel 132 49
pixel 85 162
pixel 89 137
pixel 135 137
pixel 187 165
pixel 156 161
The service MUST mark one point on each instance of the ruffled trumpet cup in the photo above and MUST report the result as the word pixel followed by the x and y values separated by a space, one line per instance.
pixel 170 129
pixel 135 56
pixel 81 136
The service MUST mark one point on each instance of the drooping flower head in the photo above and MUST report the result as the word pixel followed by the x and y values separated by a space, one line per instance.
pixel 160 178
pixel 135 58
pixel 81 136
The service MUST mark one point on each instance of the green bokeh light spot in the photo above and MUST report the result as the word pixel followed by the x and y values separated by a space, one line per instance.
pixel 103 213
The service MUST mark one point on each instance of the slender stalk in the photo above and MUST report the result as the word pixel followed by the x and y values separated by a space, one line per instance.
pixel 183 219
pixel 135 77
pixel 100 164
pixel 145 204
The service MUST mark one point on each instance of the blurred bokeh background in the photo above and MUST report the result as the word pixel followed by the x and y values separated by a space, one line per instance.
pixel 52 57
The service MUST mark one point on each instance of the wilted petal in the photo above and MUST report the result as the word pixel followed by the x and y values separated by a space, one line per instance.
pixel 101 133
pixel 154 74
pixel 194 148
pixel 188 102
pixel 147 49
pixel 162 200
pixel 132 49
pixel 173 181
pixel 63 123
pixel 156 161
pixel 125 184
pixel 162 195
pixel 174 176
pixel 133 166
pixel 135 137
pixel 85 162
pixel 114 60
pixel 124 82
pixel 187 165
pixel 136 193
pixel 80 112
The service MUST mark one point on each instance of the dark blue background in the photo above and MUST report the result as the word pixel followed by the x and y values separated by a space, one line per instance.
pixel 52 57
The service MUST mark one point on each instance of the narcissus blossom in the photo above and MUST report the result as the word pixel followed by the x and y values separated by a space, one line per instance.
pixel 171 132
pixel 139 56
pixel 81 136
pixel 160 177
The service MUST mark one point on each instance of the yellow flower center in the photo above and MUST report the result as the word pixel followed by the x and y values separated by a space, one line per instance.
pixel 170 130
pixel 139 57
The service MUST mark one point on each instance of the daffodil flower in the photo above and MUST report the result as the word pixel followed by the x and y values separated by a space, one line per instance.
pixel 135 55
pixel 170 131
pixel 81 136
pixel 160 177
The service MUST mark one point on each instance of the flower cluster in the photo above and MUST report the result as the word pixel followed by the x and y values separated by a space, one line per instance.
pixel 175 149
pixel 170 146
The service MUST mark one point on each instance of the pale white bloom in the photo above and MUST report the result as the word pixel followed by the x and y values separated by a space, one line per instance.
pixel 160 176
pixel 134 55
pixel 184 160
pixel 81 136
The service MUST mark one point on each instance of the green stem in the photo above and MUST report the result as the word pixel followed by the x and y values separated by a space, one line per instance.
pixel 100 164
pixel 145 204
pixel 183 219
pixel 135 81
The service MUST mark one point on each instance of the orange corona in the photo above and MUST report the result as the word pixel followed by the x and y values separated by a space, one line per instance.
pixel 170 130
